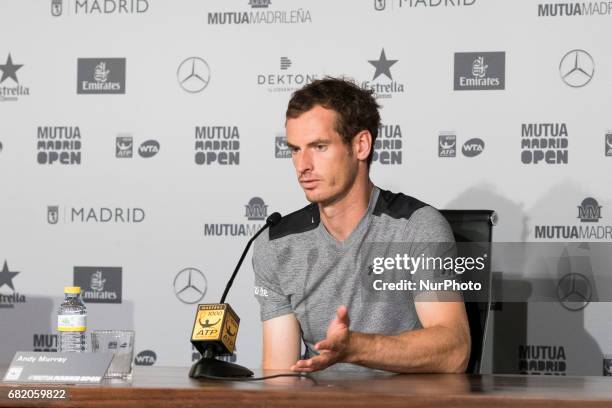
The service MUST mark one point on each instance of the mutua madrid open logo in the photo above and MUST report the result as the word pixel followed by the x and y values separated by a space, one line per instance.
pixel 255 210
pixel 542 359
pixel 217 144
pixel 388 145
pixel 45 342
pixel 545 143
pixel 589 210
pixel 589 213
pixel 59 145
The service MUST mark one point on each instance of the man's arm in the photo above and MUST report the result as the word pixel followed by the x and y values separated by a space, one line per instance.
pixel 281 329
pixel 281 342
pixel 442 345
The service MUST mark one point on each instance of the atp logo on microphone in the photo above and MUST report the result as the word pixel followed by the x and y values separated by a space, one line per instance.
pixel 215 324
pixel 209 325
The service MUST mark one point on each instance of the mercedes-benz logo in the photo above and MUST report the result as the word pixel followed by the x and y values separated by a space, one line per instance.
pixel 190 285
pixel 193 74
pixel 577 68
pixel 574 291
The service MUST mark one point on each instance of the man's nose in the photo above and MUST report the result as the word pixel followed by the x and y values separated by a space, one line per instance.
pixel 302 161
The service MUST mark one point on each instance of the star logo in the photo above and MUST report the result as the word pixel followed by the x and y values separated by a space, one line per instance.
pixel 382 65
pixel 9 70
pixel 6 277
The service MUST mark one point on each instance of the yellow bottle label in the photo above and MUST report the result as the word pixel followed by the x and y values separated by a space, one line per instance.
pixel 77 323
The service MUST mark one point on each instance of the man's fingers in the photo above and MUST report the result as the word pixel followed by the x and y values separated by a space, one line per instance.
pixel 313 364
pixel 303 363
pixel 302 370
pixel 325 345
pixel 342 315
pixel 300 365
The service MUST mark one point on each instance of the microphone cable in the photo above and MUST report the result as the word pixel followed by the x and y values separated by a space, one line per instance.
pixel 298 375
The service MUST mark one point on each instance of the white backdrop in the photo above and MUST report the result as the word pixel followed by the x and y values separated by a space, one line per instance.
pixel 179 197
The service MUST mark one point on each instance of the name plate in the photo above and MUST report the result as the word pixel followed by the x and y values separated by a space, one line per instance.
pixel 58 368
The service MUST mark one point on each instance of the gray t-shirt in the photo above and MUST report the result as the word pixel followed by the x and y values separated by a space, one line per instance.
pixel 300 268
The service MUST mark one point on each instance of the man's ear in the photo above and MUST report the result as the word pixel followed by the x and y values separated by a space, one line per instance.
pixel 362 145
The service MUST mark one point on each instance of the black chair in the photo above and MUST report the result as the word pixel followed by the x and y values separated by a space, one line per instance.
pixel 474 226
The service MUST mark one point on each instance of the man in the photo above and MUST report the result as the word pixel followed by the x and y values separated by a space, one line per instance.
pixel 307 271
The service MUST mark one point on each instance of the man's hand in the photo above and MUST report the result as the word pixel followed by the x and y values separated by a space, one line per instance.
pixel 441 346
pixel 333 349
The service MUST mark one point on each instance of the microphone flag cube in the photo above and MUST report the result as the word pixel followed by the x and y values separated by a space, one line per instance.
pixel 216 326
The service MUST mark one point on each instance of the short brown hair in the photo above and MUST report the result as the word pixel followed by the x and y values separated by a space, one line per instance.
pixel 356 108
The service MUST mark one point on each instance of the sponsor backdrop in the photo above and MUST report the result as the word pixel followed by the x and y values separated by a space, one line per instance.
pixel 142 143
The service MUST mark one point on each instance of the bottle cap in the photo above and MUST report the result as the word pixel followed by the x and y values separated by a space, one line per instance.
pixel 75 290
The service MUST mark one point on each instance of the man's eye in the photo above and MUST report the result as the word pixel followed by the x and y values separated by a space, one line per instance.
pixel 321 147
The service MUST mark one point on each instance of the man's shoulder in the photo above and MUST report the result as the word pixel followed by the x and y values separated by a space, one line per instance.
pixel 268 244
pixel 397 205
pixel 302 220
pixel 418 219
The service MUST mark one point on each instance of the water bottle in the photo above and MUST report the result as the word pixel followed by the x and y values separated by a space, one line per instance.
pixel 72 321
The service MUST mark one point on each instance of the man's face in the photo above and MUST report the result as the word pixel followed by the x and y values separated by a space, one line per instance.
pixel 325 165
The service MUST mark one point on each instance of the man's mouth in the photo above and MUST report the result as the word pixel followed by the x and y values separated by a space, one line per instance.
pixel 309 183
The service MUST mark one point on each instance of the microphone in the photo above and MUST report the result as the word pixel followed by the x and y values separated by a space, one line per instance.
pixel 216 327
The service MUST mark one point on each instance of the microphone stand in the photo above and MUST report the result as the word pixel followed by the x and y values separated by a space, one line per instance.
pixel 208 365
